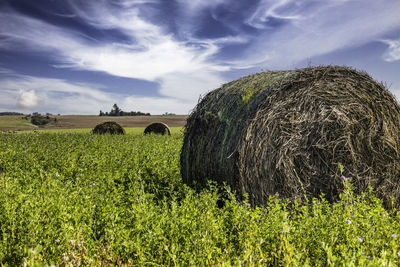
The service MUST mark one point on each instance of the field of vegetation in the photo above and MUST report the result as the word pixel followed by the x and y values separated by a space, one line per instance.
pixel 88 121
pixel 82 199
pixel 15 122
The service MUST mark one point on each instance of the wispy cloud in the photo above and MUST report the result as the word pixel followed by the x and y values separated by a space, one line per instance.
pixel 393 51
pixel 194 6
pixel 308 29
pixel 283 33
pixel 316 28
pixel 55 95
pixel 6 72
pixel 151 54
pixel 270 9
pixel 61 96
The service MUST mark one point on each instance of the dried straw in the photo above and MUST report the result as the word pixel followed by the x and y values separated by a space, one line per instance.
pixel 286 132
pixel 108 127
pixel 157 128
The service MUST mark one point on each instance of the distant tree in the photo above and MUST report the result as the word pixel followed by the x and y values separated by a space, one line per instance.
pixel 40 120
pixel 101 113
pixel 115 110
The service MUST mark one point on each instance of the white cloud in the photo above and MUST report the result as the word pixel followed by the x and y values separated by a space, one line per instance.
pixel 142 60
pixel 28 99
pixel 393 51
pixel 152 53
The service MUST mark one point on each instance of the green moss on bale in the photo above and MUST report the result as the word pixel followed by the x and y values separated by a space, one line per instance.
pixel 108 127
pixel 280 132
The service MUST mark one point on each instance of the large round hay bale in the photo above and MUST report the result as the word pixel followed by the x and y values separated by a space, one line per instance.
pixel 157 128
pixel 108 127
pixel 286 132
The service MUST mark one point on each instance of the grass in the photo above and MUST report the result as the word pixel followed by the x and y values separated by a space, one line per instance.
pixel 73 198
pixel 15 122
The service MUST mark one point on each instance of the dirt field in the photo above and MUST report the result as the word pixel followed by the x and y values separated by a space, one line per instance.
pixel 125 121
pixel 83 121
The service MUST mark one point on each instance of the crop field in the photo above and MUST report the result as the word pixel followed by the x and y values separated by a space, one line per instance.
pixel 73 198
pixel 89 121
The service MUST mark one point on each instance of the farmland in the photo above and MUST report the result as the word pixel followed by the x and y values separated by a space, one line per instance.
pixel 89 121
pixel 15 123
pixel 70 197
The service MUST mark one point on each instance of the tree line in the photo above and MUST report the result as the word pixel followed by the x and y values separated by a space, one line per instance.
pixel 9 113
pixel 116 111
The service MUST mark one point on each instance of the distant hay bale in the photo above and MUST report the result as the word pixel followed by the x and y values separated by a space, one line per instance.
pixel 286 132
pixel 108 127
pixel 157 128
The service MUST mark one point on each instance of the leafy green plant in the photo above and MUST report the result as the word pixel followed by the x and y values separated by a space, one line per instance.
pixel 82 199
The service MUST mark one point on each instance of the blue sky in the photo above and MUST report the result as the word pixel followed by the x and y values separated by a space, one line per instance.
pixel 157 56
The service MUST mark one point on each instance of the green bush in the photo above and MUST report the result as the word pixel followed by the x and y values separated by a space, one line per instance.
pixel 40 120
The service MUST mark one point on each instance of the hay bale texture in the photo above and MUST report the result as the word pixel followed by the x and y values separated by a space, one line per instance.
pixel 157 128
pixel 108 127
pixel 286 132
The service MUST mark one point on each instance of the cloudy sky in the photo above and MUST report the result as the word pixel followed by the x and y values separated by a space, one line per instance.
pixel 157 56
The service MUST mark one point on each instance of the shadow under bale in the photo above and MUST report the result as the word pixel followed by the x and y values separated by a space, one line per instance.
pixel 157 128
pixel 286 132
pixel 108 127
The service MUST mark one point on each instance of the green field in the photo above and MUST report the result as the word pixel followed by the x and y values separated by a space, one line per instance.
pixel 128 130
pixel 73 198
pixel 15 122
